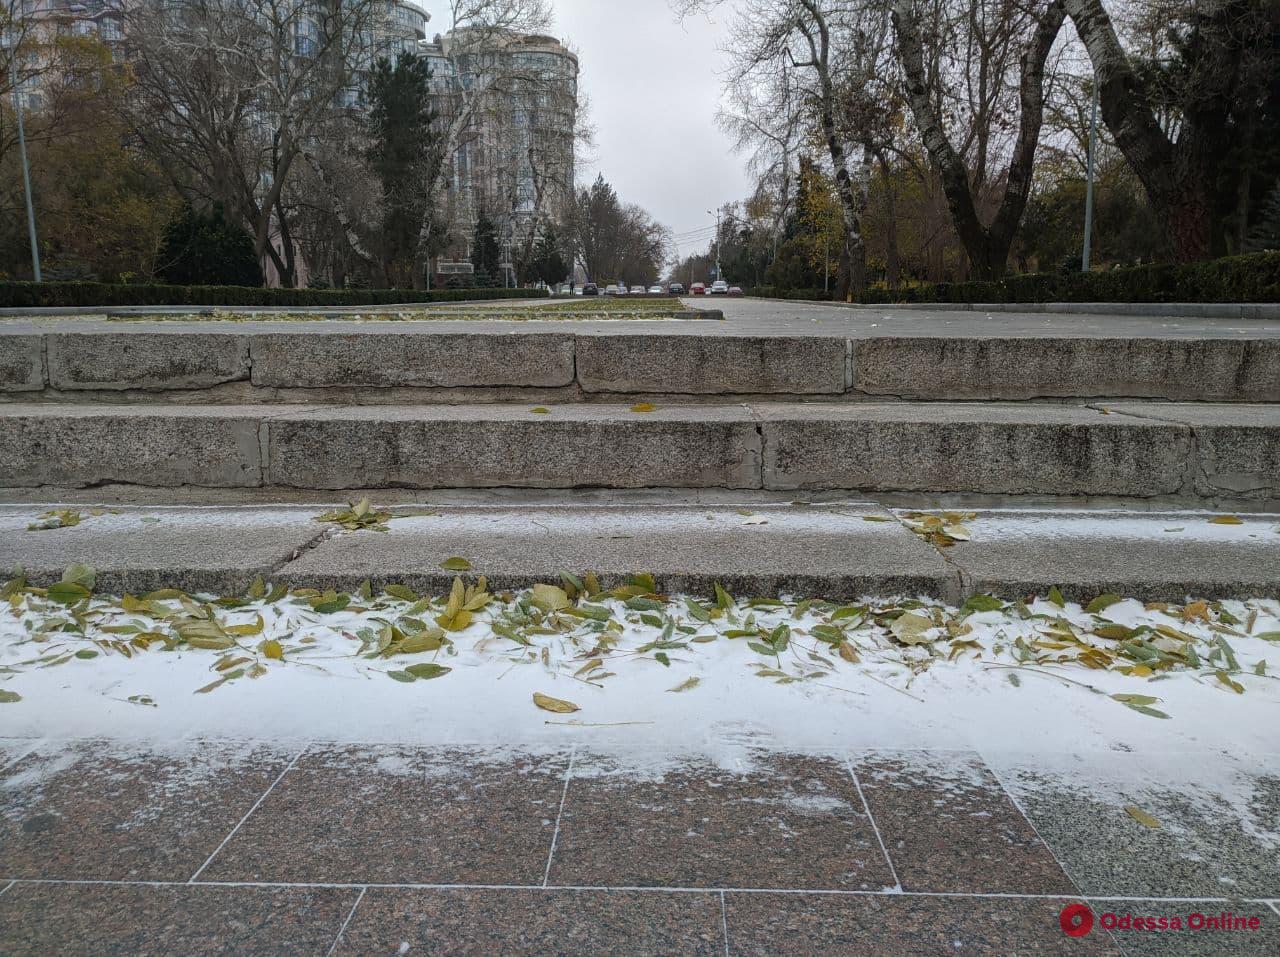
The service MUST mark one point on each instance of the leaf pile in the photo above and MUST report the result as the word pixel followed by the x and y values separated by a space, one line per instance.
pixel 942 530
pixel 361 516
pixel 576 630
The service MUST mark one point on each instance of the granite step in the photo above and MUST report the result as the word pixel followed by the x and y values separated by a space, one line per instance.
pixel 1164 451
pixel 344 362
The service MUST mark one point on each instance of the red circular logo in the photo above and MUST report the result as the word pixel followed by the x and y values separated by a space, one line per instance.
pixel 1076 920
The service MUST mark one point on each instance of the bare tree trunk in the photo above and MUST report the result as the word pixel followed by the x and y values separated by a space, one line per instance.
pixel 892 257
pixel 1177 175
pixel 987 247
pixel 339 210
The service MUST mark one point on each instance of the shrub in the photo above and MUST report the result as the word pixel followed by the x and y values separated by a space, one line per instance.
pixel 1251 278
pixel 207 249
pixel 92 294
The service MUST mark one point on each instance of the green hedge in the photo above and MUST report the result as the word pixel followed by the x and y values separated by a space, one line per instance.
pixel 1252 278
pixel 94 294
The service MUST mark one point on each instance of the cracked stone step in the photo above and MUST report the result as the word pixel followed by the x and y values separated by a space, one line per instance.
pixel 1133 450
pixel 839 551
pixel 347 362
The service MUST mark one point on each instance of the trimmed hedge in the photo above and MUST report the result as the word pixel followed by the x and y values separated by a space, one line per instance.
pixel 94 294
pixel 1245 279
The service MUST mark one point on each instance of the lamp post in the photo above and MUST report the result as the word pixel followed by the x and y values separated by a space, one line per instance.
pixel 22 152
pixel 1087 257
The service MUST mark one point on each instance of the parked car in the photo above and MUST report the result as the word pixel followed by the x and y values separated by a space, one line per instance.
pixel 677 289
pixel 637 290
pixel 698 289
pixel 719 288
pixel 590 289
pixel 657 291
pixel 612 290
pixel 736 291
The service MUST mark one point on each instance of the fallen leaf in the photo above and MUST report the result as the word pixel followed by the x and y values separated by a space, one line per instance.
pixel 456 565
pixel 910 628
pixel 1142 817
pixel 687 685
pixel 547 703
pixel 1226 520
pixel 9 697
pixel 644 407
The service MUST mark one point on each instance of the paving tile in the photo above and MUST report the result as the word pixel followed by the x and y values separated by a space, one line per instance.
pixel 782 822
pixel 134 920
pixel 950 827
pixel 1263 942
pixel 901 926
pixel 1220 821
pixel 92 812
pixel 391 815
pixel 560 923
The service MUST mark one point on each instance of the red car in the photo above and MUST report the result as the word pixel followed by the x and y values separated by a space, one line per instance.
pixel 698 289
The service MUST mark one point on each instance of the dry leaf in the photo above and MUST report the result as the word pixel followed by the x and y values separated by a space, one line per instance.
pixel 1143 818
pixel 547 703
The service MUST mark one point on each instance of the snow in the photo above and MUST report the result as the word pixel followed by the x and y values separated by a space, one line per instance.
pixel 895 698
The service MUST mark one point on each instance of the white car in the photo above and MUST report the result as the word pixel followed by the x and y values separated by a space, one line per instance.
pixel 613 290
pixel 656 291
pixel 637 290
pixel 719 288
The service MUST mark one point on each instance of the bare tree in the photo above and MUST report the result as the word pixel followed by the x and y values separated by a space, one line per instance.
pixel 809 48
pixel 231 92
pixel 995 44
pixel 1175 158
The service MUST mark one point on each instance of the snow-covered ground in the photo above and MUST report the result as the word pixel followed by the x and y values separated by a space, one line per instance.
pixel 712 675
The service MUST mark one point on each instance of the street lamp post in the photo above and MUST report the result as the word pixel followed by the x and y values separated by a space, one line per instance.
pixel 22 151
pixel 1086 258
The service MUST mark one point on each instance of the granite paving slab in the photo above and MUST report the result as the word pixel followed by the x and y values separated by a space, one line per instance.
pixel 901 926
pixel 1219 833
pixel 950 827
pixel 92 812
pixel 132 920
pixel 782 822
pixel 392 815
pixel 534 922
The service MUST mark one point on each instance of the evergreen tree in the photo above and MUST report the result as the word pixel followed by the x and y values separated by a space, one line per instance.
pixel 207 249
pixel 485 252
pixel 548 264
pixel 403 151
pixel 1265 236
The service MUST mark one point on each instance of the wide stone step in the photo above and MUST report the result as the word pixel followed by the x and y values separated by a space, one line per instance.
pixel 834 550
pixel 1181 452
pixel 403 363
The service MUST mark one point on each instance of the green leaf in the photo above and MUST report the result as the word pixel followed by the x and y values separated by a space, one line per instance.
pixel 1102 603
pixel 428 671
pixel 687 685
pixel 401 592
pixel 403 676
pixel 68 593
pixel 1055 596
pixel 456 564
pixel 81 574
pixel 662 659
pixel 86 654
pixel 9 697
pixel 984 603
pixel 761 649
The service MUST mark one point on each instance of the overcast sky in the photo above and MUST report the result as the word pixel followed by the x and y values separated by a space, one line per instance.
pixel 653 85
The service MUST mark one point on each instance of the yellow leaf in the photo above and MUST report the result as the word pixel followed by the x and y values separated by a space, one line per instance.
pixel 272 649
pixel 1143 818
pixel 910 628
pixel 1226 520
pixel 456 565
pixel 687 685
pixel 540 410
pixel 644 407
pixel 550 598
pixel 555 705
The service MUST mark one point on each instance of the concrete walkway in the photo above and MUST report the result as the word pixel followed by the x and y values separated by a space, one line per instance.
pixel 250 848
